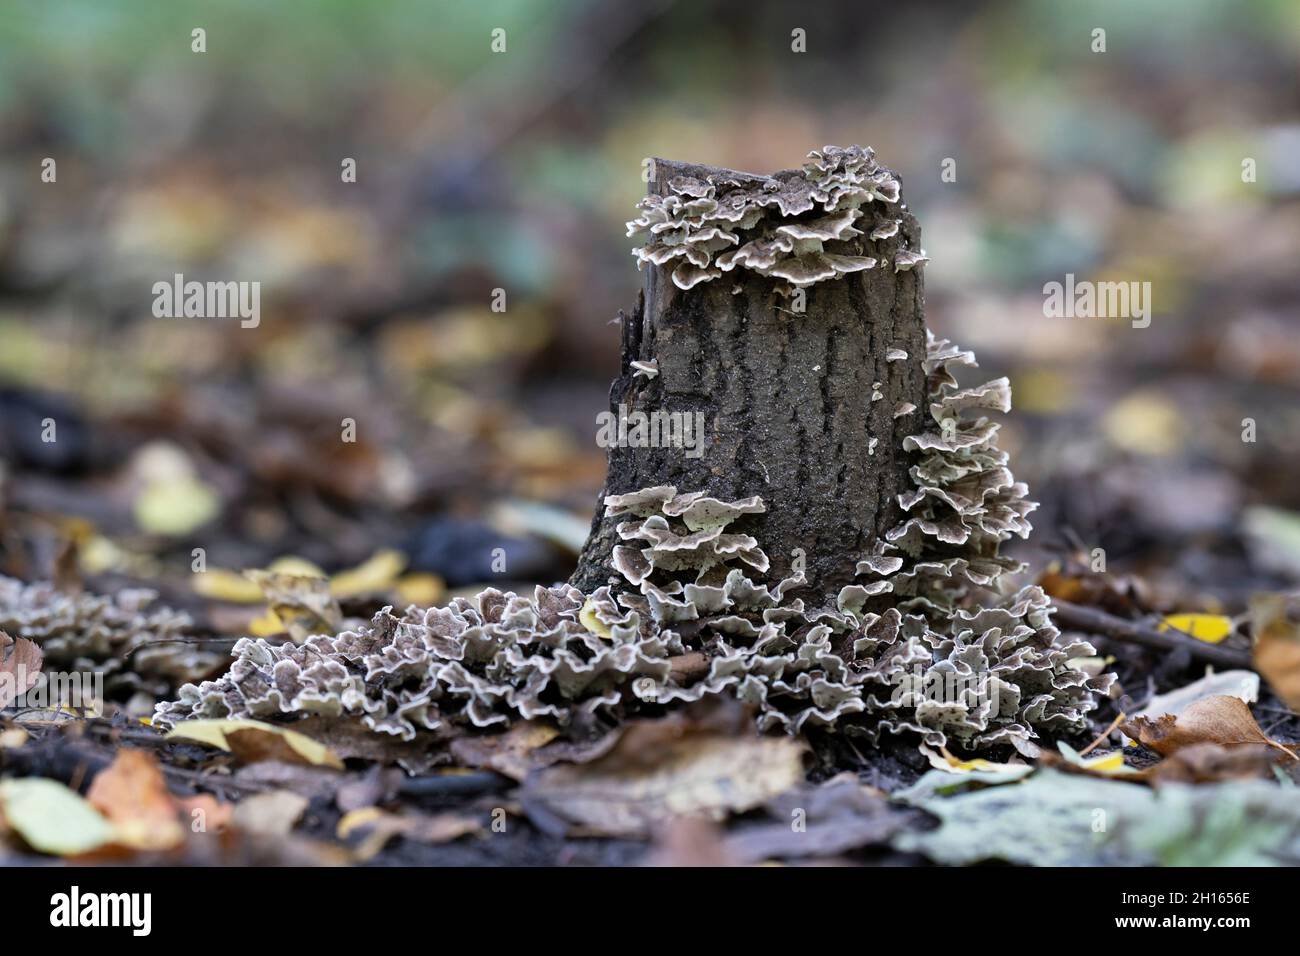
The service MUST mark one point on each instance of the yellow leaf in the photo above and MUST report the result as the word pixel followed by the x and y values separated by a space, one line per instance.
pixel 296 567
pixel 1106 762
pixel 222 585
pixel 592 623
pixel 268 625
pixel 176 506
pixel 52 818
pixel 377 573
pixel 252 740
pixel 423 590
pixel 1146 423
pixel 1210 628
pixel 356 818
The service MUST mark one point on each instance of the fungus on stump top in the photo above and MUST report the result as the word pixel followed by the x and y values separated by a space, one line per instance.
pixel 786 309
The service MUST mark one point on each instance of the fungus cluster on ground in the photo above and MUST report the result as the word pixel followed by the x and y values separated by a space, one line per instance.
pixel 133 642
pixel 924 645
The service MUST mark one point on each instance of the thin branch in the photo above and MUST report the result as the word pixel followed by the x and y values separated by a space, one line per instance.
pixel 1135 632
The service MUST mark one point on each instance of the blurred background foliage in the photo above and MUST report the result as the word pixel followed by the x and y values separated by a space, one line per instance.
pixel 479 171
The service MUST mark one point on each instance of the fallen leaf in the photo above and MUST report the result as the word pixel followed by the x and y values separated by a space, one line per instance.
pixel 943 760
pixel 1274 538
pixel 1210 628
pixel 349 738
pixel 1237 683
pixel 1277 647
pixel 176 506
pixel 1221 720
pixel 378 573
pixel 690 841
pixel 52 818
pixel 1110 764
pixel 587 617
pixel 421 589
pixel 273 813
pixel 1211 763
pixel 510 753
pixel 252 740
pixel 301 602
pixel 812 821
pixel 205 813
pixel 661 769
pixel 132 794
pixel 219 584
pixel 380 827
pixel 20 667
pixel 939 782
pixel 1052 819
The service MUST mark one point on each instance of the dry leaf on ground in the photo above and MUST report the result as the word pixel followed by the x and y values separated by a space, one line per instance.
pixel 301 603
pixel 252 740
pixel 132 794
pixel 20 667
pixel 1210 628
pixel 273 813
pixel 379 827
pixel 509 753
pixel 1211 763
pixel 1277 647
pixel 663 769
pixel 1221 720
pixel 51 818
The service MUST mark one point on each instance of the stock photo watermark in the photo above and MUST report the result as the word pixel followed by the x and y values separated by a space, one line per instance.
pixel 1085 299
pixel 657 429
pixel 208 300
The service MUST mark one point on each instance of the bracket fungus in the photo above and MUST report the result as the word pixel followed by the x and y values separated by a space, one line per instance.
pixel 833 560
pixel 778 226
pixel 134 643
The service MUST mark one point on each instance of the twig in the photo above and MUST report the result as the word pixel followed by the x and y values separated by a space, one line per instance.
pixel 1134 632
pixel 1104 734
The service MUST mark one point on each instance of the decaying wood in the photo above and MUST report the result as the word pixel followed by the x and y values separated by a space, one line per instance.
pixel 787 404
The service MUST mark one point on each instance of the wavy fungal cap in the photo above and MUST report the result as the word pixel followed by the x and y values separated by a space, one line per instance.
pixel 801 227
pixel 136 644
pixel 923 645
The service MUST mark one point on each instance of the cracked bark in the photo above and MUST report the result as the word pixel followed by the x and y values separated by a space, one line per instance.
pixel 786 400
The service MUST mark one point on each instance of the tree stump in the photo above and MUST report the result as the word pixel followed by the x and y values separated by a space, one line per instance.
pixel 805 409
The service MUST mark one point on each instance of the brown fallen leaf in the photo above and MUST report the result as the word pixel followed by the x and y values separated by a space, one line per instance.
pixel 1220 719
pixel 818 822
pixel 132 794
pixel 20 667
pixel 302 603
pixel 661 769
pixel 253 740
pixel 1210 763
pixel 1277 646
pixel 204 813
pixel 689 841
pixel 510 753
pixel 348 738
pixel 271 814
pixel 378 827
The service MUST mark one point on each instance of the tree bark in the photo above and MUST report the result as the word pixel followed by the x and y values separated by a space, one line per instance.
pixel 787 402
